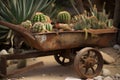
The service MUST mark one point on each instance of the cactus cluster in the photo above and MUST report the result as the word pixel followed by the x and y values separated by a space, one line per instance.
pixel 97 20
pixel 40 23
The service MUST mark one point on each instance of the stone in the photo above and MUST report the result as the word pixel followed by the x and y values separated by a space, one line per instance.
pixel 108 78
pixel 116 46
pixel 3 52
pixel 107 58
pixel 117 75
pixel 72 78
pixel 98 78
pixel 106 72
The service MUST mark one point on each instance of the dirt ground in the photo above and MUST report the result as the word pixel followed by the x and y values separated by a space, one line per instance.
pixel 51 70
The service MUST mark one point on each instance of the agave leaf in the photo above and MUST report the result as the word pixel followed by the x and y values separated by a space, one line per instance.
pixel 17 11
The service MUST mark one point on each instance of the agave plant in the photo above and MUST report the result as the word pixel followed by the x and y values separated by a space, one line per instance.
pixel 17 11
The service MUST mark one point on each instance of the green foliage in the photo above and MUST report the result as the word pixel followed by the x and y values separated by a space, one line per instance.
pixel 18 11
pixel 93 20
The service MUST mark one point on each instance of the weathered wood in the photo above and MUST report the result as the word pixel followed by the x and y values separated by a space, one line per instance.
pixel 117 14
pixel 23 70
pixel 3 66
pixel 28 55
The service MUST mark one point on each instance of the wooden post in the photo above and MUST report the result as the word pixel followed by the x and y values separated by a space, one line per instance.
pixel 117 14
pixel 3 66
pixel 117 19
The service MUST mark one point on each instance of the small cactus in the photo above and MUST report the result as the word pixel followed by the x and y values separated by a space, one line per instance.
pixel 27 24
pixel 38 27
pixel 48 26
pixel 39 17
pixel 64 17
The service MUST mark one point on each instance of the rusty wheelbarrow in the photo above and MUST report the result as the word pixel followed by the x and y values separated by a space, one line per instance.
pixel 65 46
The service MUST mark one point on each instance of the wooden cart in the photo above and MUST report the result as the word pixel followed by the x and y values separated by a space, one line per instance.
pixel 65 46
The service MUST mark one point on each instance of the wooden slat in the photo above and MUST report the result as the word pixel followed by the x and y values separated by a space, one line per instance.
pixel 26 69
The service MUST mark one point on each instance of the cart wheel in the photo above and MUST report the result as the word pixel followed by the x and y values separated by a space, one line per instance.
pixel 88 62
pixel 63 60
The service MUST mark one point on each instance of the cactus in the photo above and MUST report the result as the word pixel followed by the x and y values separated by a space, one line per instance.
pixel 79 26
pixel 39 17
pixel 27 24
pixel 64 17
pixel 38 27
pixel 48 26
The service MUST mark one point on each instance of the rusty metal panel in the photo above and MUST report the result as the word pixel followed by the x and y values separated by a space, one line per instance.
pixel 65 40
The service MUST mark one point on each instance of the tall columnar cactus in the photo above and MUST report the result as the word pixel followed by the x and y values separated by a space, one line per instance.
pixel 64 17
pixel 39 17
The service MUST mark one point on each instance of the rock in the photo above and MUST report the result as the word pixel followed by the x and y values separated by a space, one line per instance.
pixel 117 75
pixel 11 51
pixel 107 58
pixel 98 78
pixel 3 52
pixel 43 75
pixel 72 78
pixel 108 78
pixel 106 72
pixel 116 46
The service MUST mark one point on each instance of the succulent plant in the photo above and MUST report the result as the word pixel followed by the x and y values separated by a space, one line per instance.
pixel 38 27
pixel 18 11
pixel 48 26
pixel 39 17
pixel 27 24
pixel 64 17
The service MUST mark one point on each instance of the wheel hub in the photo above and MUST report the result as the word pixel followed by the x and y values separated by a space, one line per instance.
pixel 90 62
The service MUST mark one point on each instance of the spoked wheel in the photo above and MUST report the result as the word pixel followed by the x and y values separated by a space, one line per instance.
pixel 62 59
pixel 88 62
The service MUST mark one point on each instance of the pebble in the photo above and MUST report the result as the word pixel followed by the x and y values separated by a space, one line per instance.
pixel 117 75
pixel 106 72
pixel 3 52
pixel 116 46
pixel 108 78
pixel 107 58
pixel 98 78
pixel 11 51
pixel 72 78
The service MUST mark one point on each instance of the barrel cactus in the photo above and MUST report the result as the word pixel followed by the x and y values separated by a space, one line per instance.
pixel 38 27
pixel 27 24
pixel 64 17
pixel 39 17
pixel 48 26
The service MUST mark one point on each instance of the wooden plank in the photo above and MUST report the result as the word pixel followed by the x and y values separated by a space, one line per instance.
pixel 23 70
pixel 28 55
